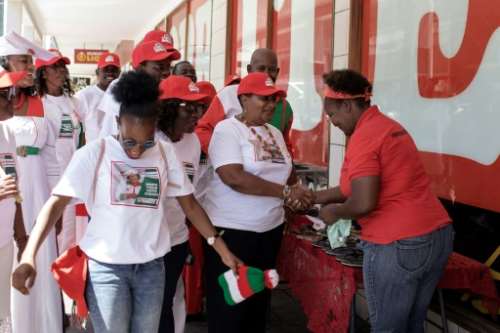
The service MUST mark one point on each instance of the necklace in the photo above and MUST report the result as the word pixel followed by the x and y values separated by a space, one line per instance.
pixel 272 147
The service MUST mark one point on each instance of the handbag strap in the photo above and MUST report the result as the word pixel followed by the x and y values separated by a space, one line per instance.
pixel 164 158
pixel 102 148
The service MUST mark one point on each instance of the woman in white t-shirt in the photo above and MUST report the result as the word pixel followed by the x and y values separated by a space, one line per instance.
pixel 11 219
pixel 54 87
pixel 245 199
pixel 125 241
pixel 179 112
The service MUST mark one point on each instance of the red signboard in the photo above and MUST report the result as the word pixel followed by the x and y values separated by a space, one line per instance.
pixel 442 89
pixel 86 56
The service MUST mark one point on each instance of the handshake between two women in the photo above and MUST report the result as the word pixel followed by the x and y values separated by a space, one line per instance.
pixel 298 197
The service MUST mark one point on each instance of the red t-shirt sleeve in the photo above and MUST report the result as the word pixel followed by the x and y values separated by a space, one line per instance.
pixel 365 161
pixel 207 123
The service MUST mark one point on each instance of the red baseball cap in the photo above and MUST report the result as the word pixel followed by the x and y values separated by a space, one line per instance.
pixel 151 51
pixel 260 84
pixel 165 38
pixel 109 59
pixel 232 79
pixel 181 87
pixel 70 272
pixel 57 57
pixel 9 79
pixel 207 88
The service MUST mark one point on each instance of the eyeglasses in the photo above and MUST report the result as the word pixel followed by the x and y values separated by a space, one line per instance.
pixel 193 107
pixel 190 107
pixel 268 99
pixel 128 144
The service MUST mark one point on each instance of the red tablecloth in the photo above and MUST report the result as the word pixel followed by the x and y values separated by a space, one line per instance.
pixel 325 287
pixel 471 276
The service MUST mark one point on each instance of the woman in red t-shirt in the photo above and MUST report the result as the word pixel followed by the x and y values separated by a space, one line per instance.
pixel 405 231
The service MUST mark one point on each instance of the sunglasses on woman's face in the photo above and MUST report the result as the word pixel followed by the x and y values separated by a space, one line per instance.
pixel 128 144
pixel 192 107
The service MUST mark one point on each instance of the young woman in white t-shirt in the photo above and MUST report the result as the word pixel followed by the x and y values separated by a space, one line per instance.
pixel 11 219
pixel 126 239
pixel 179 112
pixel 54 87
pixel 245 199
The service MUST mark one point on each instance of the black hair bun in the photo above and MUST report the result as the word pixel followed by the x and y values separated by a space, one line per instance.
pixel 136 88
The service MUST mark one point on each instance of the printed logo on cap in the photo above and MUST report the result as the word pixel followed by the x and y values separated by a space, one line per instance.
pixel 166 38
pixel 269 82
pixel 159 48
pixel 109 58
pixel 193 88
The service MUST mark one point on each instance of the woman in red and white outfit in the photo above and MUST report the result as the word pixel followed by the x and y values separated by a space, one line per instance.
pixel 61 109
pixel 37 162
pixel 11 219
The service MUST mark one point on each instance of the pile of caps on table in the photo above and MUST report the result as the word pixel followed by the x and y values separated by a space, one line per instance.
pixel 339 240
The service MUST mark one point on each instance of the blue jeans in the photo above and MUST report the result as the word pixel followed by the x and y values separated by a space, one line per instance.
pixel 125 298
pixel 400 279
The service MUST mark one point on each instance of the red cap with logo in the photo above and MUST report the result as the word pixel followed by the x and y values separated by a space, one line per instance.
pixel 151 51
pixel 70 272
pixel 9 79
pixel 57 57
pixel 207 88
pixel 260 84
pixel 181 87
pixel 109 59
pixel 165 38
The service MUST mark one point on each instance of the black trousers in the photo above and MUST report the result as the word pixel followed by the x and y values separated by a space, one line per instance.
pixel 258 250
pixel 174 263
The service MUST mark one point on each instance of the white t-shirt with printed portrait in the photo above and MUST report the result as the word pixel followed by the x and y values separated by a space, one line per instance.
pixel 188 153
pixel 234 143
pixel 129 224
pixel 9 166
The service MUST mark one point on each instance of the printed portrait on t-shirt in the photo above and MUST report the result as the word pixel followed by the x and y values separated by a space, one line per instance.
pixel 67 126
pixel 265 151
pixel 134 186
pixel 8 163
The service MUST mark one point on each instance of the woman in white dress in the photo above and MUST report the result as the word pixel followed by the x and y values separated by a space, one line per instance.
pixel 11 219
pixel 61 109
pixel 41 312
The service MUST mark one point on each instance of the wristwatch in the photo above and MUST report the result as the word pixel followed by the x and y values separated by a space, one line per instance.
pixel 211 240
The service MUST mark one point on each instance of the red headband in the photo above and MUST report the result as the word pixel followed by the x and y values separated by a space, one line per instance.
pixel 330 93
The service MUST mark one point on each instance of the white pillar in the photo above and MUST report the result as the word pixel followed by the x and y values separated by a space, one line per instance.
pixel 13 16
